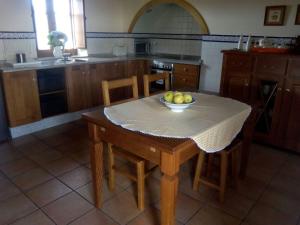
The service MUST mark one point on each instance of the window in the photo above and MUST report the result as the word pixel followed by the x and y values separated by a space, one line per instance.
pixel 66 16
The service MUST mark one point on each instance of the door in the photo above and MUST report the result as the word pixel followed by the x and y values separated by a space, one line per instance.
pixel 289 130
pixel 76 81
pixel 21 94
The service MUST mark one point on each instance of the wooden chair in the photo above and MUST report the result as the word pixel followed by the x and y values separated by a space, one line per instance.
pixel 113 151
pixel 242 142
pixel 148 78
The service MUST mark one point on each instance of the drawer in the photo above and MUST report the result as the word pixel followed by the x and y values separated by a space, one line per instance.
pixel 138 148
pixel 182 81
pixel 271 65
pixel 294 68
pixel 238 62
pixel 186 69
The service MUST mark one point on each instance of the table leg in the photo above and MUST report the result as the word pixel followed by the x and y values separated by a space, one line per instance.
pixel 96 150
pixel 169 188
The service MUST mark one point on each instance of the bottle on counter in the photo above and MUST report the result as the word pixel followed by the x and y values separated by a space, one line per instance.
pixel 248 43
pixel 240 43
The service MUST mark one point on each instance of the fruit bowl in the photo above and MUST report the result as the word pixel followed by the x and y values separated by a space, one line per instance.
pixel 177 107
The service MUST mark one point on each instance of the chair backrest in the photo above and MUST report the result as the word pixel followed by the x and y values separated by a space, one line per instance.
pixel 112 84
pixel 148 78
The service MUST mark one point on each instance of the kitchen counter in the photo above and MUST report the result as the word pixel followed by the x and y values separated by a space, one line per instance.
pixel 101 58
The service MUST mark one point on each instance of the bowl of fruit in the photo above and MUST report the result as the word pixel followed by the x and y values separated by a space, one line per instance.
pixel 177 101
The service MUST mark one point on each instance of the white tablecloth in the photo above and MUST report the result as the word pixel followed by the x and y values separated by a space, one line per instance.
pixel 212 122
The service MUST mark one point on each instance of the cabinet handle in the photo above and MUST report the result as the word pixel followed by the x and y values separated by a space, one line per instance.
pixel 246 84
pixel 288 90
pixel 83 73
pixel 279 89
pixel 185 69
pixel 103 129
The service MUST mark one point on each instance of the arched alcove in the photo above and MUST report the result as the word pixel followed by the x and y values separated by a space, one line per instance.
pixel 181 3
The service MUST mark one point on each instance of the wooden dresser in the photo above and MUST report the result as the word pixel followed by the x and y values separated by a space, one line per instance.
pixel 273 82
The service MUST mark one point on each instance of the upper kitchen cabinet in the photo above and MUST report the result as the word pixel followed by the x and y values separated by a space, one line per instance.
pixel 21 96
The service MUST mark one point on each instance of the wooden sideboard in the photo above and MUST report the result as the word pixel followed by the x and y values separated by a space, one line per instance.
pixel 273 82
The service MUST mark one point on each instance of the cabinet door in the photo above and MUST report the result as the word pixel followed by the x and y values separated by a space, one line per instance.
pixel 76 80
pixel 94 89
pixel 22 98
pixel 289 130
pixel 138 68
pixel 113 71
pixel 236 76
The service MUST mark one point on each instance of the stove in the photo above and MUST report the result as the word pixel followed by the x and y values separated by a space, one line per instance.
pixel 159 66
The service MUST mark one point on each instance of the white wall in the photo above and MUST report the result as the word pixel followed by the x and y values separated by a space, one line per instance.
pixel 15 15
pixel 167 18
pixel 232 16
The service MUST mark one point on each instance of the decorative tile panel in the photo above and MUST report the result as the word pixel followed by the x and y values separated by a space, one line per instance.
pixel 17 35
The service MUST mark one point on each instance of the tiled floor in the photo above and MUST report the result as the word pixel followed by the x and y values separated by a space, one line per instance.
pixel 45 179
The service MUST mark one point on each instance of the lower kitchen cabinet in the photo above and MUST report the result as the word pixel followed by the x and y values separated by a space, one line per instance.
pixel 21 96
pixel 289 128
pixel 274 86
pixel 77 83
pixel 186 77
pixel 138 68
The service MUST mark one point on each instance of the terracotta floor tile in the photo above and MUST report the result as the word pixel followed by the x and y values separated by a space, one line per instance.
pixel 67 208
pixel 251 188
pixel 86 191
pixel 32 148
pixel 152 190
pixel 32 178
pixel 54 131
pixel 212 216
pixel 23 140
pixel 235 204
pixel 77 177
pixel 36 218
pixel 262 214
pixel 203 194
pixel 14 168
pixel 46 156
pixel 48 192
pixel 9 154
pixel 61 166
pixel 186 207
pixel 57 139
pixel 282 201
pixel 81 157
pixel 7 189
pixel 14 208
pixel 74 146
pixel 95 217
pixel 122 208
pixel 150 217
pixel 286 184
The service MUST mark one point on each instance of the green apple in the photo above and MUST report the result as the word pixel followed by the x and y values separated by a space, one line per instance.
pixel 177 93
pixel 178 99
pixel 187 98
pixel 168 96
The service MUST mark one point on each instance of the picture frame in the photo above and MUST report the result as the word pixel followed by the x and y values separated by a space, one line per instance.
pixel 274 15
pixel 297 19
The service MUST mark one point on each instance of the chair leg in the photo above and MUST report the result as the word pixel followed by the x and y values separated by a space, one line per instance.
pixel 210 165
pixel 223 174
pixel 235 167
pixel 111 169
pixel 140 166
pixel 198 171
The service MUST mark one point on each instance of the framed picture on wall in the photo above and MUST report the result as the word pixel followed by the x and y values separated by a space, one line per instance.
pixel 297 20
pixel 274 15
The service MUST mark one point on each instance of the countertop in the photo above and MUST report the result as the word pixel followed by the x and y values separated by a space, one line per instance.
pixel 46 63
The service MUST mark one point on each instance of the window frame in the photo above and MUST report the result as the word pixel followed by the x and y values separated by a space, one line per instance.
pixel 52 26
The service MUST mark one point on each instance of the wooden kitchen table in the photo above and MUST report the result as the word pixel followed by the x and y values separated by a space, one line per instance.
pixel 168 153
